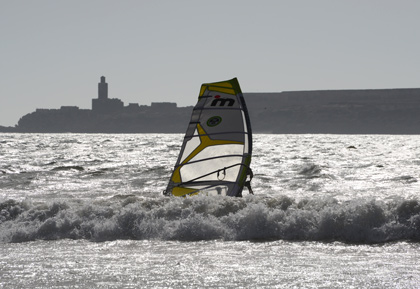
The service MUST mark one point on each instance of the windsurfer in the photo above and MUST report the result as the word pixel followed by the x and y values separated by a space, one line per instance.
pixel 247 184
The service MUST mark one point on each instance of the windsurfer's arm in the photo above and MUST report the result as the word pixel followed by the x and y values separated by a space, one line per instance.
pixel 250 174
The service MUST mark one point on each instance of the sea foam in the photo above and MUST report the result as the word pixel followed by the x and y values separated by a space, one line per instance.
pixel 210 218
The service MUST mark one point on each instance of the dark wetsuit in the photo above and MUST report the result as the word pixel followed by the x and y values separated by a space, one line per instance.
pixel 248 183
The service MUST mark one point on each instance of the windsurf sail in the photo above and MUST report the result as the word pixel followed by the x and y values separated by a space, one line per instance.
pixel 216 152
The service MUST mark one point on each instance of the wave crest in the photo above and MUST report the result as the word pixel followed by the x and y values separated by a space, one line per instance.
pixel 207 218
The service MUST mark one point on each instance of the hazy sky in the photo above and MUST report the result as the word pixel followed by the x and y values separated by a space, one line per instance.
pixel 54 52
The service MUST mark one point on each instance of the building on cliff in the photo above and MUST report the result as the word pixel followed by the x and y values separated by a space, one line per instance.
pixel 108 115
pixel 103 104
pixel 376 111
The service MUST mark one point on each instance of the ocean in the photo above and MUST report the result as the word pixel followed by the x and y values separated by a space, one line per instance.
pixel 329 211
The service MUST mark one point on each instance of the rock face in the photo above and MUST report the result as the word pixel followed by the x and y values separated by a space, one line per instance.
pixel 391 111
pixel 145 120
pixel 386 111
pixel 7 129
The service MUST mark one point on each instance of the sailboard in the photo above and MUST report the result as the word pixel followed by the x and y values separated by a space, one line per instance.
pixel 216 152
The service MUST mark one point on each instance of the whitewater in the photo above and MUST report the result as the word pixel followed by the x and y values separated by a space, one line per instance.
pixel 329 211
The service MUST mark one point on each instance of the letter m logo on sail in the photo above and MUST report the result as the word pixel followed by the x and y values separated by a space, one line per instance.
pixel 218 101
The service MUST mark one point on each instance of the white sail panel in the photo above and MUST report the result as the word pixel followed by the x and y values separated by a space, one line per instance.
pixel 190 146
pixel 196 170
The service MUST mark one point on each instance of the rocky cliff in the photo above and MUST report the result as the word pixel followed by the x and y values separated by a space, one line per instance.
pixel 389 111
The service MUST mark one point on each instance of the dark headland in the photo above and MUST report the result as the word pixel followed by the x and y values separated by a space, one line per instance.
pixel 376 111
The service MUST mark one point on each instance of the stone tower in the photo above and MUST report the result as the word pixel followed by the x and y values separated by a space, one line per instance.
pixel 103 89
pixel 103 104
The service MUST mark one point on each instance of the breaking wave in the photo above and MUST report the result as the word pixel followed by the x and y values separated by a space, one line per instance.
pixel 208 218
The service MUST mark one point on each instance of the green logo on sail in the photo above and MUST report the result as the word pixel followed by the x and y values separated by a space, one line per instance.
pixel 214 120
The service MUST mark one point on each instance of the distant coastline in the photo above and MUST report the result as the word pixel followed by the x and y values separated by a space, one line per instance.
pixel 381 111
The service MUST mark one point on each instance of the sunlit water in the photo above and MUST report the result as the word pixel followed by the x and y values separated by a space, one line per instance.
pixel 330 211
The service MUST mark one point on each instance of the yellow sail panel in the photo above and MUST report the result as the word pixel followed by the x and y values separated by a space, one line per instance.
pixel 216 152
pixel 228 87
pixel 176 177
pixel 222 89
pixel 179 192
pixel 221 84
